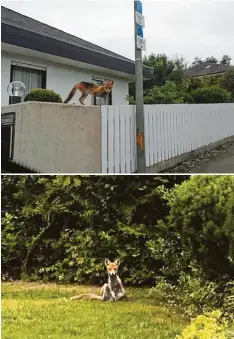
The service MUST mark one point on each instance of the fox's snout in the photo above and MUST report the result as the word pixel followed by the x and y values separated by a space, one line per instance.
pixel 112 273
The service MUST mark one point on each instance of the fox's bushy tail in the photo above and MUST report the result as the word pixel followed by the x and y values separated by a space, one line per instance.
pixel 71 94
pixel 87 296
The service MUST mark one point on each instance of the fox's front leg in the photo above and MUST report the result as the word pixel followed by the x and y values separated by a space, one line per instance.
pixel 106 99
pixel 107 293
pixel 113 296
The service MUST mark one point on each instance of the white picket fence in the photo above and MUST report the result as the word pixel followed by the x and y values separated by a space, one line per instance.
pixel 170 130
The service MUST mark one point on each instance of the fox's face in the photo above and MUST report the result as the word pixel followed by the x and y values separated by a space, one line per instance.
pixel 112 267
pixel 108 86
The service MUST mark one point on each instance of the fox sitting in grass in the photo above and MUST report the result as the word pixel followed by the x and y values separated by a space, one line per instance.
pixel 112 290
pixel 87 88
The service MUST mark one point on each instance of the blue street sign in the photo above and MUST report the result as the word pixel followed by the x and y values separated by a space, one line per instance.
pixel 140 31
pixel 139 7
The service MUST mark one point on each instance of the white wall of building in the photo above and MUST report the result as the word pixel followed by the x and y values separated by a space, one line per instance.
pixel 61 78
pixel 5 78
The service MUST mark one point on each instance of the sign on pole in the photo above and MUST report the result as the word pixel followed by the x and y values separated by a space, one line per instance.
pixel 140 22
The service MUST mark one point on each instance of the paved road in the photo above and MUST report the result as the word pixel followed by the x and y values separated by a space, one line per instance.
pixel 219 160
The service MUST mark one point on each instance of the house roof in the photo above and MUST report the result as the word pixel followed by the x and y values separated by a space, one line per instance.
pixel 23 31
pixel 205 68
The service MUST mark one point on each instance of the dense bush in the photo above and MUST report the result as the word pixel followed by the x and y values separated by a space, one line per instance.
pixel 170 93
pixel 193 83
pixel 202 212
pixel 227 81
pixel 61 228
pixel 209 95
pixel 43 95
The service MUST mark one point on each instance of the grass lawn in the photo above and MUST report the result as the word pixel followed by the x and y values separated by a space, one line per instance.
pixel 36 311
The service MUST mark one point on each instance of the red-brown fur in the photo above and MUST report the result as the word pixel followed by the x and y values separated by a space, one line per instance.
pixel 87 88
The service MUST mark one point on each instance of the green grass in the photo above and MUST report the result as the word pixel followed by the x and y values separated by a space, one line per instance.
pixel 36 311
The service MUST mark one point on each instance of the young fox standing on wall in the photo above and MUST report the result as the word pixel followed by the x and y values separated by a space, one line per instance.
pixel 87 88
pixel 111 291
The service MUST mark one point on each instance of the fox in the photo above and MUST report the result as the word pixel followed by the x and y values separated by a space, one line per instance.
pixel 87 88
pixel 112 290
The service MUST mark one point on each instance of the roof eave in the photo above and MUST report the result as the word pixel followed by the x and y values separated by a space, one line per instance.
pixel 26 39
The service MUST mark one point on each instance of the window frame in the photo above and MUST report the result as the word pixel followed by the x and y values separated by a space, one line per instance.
pixel 29 67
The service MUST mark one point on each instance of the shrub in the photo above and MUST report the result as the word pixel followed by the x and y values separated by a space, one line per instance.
pixel 212 81
pixel 192 293
pixel 207 326
pixel 61 228
pixel 227 80
pixel 43 95
pixel 228 300
pixel 203 215
pixel 209 95
pixel 170 93
pixel 194 84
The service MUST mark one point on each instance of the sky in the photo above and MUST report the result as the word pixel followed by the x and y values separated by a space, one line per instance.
pixel 183 28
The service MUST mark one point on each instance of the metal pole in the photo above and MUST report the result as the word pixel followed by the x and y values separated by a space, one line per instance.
pixel 140 142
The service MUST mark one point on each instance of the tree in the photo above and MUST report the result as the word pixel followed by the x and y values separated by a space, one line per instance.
pixel 197 61
pixel 227 80
pixel 212 59
pixel 165 68
pixel 226 60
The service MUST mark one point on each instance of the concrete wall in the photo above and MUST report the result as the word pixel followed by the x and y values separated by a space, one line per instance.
pixel 57 138
pixel 61 78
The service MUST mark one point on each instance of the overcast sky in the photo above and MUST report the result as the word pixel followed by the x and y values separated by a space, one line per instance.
pixel 185 28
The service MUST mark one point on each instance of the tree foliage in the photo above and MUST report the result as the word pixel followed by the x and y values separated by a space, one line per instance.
pixel 226 60
pixel 210 95
pixel 227 81
pixel 165 68
pixel 170 93
pixel 61 228
pixel 202 211
pixel 170 87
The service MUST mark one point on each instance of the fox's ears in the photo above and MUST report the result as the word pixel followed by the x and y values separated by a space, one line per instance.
pixel 108 262
pixel 117 262
pixel 112 81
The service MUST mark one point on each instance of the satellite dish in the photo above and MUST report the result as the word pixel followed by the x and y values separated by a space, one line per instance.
pixel 16 89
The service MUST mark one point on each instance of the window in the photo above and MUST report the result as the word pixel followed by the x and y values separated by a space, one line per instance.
pixel 31 76
pixel 100 101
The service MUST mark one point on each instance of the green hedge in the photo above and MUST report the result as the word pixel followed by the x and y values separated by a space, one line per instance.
pixel 60 228
pixel 209 95
pixel 43 95
pixel 202 212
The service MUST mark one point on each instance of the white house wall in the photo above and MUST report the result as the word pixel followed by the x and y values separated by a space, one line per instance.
pixel 61 78
pixel 5 78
